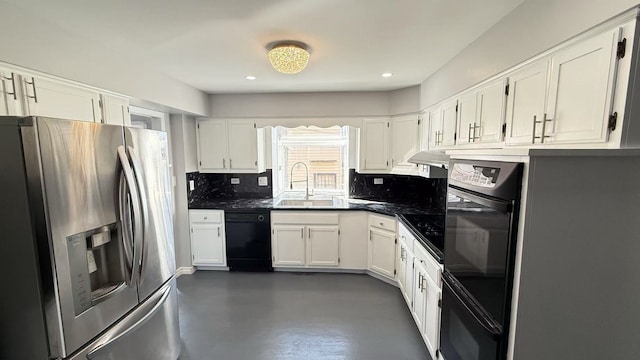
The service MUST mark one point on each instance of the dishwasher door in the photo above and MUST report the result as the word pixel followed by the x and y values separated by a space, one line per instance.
pixel 248 239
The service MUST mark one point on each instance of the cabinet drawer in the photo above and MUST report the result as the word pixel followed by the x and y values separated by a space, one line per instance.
pixel 405 236
pixel 431 266
pixel 382 222
pixel 206 216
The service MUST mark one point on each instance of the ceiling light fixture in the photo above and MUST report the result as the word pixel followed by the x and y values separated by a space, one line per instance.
pixel 288 57
pixel 250 77
pixel 387 75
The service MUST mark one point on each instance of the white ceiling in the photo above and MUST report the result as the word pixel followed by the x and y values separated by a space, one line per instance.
pixel 213 44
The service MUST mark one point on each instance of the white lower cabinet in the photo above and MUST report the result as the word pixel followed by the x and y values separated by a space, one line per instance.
pixel 305 239
pixel 382 245
pixel 208 246
pixel 431 332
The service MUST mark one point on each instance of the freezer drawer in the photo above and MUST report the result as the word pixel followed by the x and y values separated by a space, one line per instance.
pixel 150 332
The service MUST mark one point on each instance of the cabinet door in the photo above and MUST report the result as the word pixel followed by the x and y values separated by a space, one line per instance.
pixel 449 123
pixel 288 245
pixel 9 95
pixel 382 252
pixel 525 103
pixel 404 140
pixel 44 97
pixel 115 110
pixel 212 145
pixel 323 246
pixel 424 130
pixel 409 283
pixel 374 142
pixel 432 316
pixel 491 108
pixel 243 145
pixel 419 297
pixel 400 261
pixel 207 245
pixel 580 90
pixel 467 117
pixel 435 125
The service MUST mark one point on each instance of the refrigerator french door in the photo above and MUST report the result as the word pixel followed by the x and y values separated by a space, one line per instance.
pixel 101 231
pixel 480 237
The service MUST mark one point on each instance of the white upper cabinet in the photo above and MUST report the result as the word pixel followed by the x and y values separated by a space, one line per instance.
pixel 115 110
pixel 449 111
pixel 212 145
pixel 580 91
pixel 374 145
pixel 243 145
pixel 51 98
pixel 526 101
pixel 424 130
pixel 230 146
pixel 405 139
pixel 490 114
pixel 467 117
pixel 435 128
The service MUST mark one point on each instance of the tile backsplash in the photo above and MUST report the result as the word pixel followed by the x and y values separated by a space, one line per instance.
pixel 228 186
pixel 406 189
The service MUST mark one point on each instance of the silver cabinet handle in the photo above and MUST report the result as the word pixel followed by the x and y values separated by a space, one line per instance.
pixel 544 129
pixel 420 281
pixel 301 233
pixel 218 231
pixel 33 85
pixel 475 127
pixel 370 235
pixel 469 137
pixel 309 231
pixel 224 163
pixel 533 134
pixel 230 164
pixel 13 86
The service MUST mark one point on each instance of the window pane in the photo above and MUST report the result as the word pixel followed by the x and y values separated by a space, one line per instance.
pixel 323 151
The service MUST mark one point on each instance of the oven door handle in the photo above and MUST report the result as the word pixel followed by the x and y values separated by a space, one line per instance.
pixel 494 204
pixel 485 323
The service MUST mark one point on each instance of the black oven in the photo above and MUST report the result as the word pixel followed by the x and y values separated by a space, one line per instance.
pixel 480 237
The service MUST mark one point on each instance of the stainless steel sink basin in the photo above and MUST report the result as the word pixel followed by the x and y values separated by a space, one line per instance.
pixel 305 203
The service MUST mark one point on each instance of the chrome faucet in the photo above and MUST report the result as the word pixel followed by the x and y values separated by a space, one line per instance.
pixel 306 194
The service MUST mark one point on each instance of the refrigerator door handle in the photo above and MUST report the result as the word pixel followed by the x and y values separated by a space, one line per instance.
pixel 127 231
pixel 136 319
pixel 144 244
pixel 132 191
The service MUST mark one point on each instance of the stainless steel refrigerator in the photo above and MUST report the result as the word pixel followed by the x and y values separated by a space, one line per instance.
pixel 86 240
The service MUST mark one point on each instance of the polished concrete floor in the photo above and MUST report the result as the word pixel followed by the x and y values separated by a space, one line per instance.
pixel 290 316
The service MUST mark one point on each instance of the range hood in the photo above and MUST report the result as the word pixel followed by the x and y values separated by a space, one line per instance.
pixel 435 164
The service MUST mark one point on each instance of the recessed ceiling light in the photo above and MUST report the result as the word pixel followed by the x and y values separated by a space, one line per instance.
pixel 386 75
pixel 250 77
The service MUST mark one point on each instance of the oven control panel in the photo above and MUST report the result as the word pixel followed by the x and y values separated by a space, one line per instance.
pixel 481 176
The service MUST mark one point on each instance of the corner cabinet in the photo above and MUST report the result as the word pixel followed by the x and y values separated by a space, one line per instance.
pixel 405 141
pixel 230 146
pixel 208 245
pixel 305 239
pixel 374 146
pixel 382 245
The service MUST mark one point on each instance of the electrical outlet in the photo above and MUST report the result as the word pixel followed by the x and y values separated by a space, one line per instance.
pixel 235 181
pixel 378 181
pixel 192 185
pixel 263 181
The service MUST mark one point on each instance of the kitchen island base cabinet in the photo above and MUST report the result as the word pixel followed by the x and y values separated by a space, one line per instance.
pixel 208 247
pixel 382 245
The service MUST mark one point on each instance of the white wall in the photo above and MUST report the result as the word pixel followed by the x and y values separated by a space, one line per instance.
pixel 530 29
pixel 403 101
pixel 35 43
pixel 321 104
pixel 183 132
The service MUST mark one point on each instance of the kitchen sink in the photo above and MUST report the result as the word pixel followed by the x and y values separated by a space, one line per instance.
pixel 305 203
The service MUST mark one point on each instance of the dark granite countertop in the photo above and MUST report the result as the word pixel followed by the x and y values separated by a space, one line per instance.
pixel 380 207
pixel 428 230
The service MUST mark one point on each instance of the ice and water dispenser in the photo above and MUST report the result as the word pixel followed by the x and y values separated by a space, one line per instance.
pixel 97 265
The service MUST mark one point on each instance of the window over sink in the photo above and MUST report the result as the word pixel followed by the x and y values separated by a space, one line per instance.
pixel 313 157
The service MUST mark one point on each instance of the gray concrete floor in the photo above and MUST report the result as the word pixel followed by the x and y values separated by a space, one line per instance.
pixel 290 316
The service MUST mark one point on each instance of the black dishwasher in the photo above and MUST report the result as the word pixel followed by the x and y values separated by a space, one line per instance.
pixel 248 240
